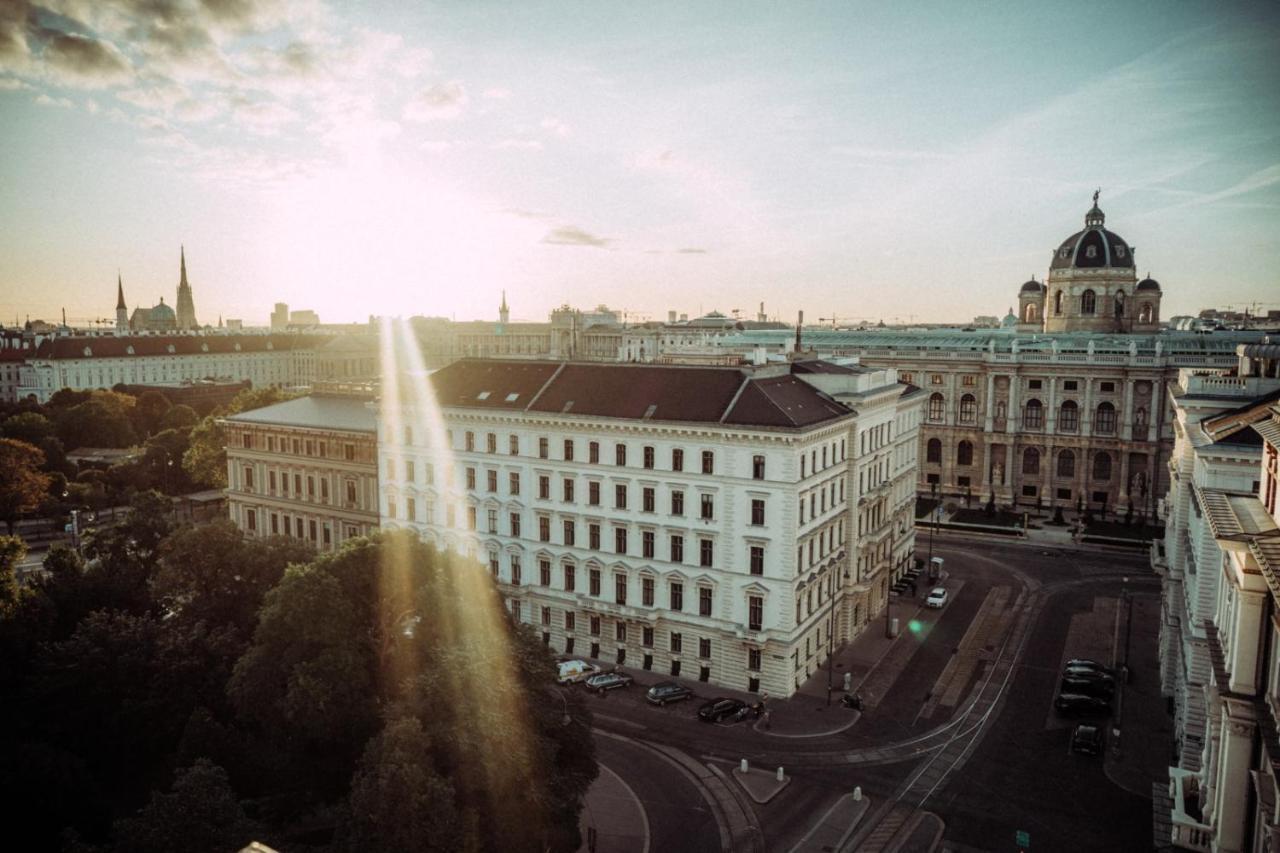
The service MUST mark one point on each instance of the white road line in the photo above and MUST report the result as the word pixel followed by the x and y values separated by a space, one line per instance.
pixel 644 816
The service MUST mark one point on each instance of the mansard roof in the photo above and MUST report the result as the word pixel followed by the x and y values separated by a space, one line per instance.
pixel 319 411
pixel 112 346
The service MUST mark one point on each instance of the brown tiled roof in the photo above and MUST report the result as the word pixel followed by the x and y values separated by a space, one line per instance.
pixel 1224 424
pixel 673 393
pixel 818 366
pixel 149 345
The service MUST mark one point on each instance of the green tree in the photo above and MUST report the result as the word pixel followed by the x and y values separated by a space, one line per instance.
pixel 199 814
pixel 206 457
pixel 31 427
pixel 180 416
pixel 22 484
pixel 148 412
pixel 101 421
pixel 422 817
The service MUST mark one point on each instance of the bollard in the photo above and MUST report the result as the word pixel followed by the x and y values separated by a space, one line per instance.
pixel 744 766
pixel 857 794
pixel 780 776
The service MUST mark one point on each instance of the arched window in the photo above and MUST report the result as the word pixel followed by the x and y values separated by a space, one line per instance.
pixel 964 453
pixel 1140 417
pixel 1105 421
pixel 1119 304
pixel 1066 464
pixel 968 409
pixel 933 452
pixel 1031 461
pixel 1031 314
pixel 1145 313
pixel 936 406
pixel 1069 417
pixel 1033 416
pixel 1102 467
pixel 1088 302
pixel 1000 410
pixel 1057 302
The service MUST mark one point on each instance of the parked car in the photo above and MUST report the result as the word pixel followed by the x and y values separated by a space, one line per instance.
pixel 1086 663
pixel 573 671
pixel 937 597
pixel 1087 739
pixel 724 710
pixel 1087 686
pixel 667 691
pixel 1080 705
pixel 605 681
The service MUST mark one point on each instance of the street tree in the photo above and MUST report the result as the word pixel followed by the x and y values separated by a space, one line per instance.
pixel 31 427
pixel 22 484
pixel 101 421
pixel 148 412
pixel 180 416
pixel 199 814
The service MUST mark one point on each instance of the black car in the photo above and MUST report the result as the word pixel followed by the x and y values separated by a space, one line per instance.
pixel 1088 673
pixel 1080 705
pixel 724 710
pixel 1087 686
pixel 1087 739
pixel 603 681
pixel 667 691
pixel 1086 663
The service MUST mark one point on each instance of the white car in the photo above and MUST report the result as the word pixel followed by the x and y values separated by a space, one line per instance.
pixel 937 598
pixel 573 671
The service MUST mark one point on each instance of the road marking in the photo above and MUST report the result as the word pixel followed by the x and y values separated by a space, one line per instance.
pixel 644 816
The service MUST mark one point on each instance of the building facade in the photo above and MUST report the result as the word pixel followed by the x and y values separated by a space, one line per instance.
pixel 726 524
pixel 305 468
pixel 1220 632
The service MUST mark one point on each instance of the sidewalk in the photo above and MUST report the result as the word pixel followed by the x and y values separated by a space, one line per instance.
pixel 612 817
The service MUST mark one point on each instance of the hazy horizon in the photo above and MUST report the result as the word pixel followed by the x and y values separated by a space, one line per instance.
pixel 844 159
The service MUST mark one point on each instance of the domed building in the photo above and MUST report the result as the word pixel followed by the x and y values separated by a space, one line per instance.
pixel 157 319
pixel 1031 307
pixel 1093 285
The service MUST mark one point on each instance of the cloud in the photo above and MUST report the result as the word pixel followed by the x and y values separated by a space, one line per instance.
pixel 572 235
pixel 82 59
pixel 556 126
pixel 496 93
pixel 265 117
pixel 441 101
pixel 691 250
pixel 517 145
pixel 12 84
pixel 45 101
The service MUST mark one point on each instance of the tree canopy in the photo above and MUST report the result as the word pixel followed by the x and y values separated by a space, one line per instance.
pixel 206 457
pixel 22 484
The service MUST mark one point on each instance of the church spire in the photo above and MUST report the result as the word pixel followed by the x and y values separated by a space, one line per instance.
pixel 186 313
pixel 182 252
pixel 504 313
pixel 120 293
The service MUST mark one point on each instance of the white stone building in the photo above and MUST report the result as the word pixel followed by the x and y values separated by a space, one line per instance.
pixel 728 524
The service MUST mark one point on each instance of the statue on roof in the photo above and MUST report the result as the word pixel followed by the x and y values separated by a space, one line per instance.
pixel 1096 193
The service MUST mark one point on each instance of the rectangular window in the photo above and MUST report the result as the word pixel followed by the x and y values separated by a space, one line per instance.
pixel 570 620
pixel 544 529
pixel 515 525
pixel 408 470
pixel 515 570
pixel 757 467
pixel 755 613
pixel 593 582
pixel 677 503
pixel 757 559
pixel 349 452
pixel 704 647
pixel 620 540
pixel 275 523
pixel 311 530
pixel 271 482
pixel 647 457
pixel 593 494
pixel 411 509
pixel 757 511
pixel 677 597
pixel 513 483
pixel 620 588
pixel 677 642
pixel 706 553
pixel 647 499
pixel 595 629
pixel 248 478
pixel 1069 385
pixel 491 480
pixel 593 537
pixel 708 509
pixel 471 478
pixel 544 572
pixel 471 518
pixel 513 445
pixel 546 615
pixel 704 601
pixel 620 632
pixel 469 441
pixel 753 660
pixel 620 454
pixel 570 532
pixel 708 462
pixel 677 459
pixel 1034 384
pixel 646 544
pixel 568 450
pixel 646 639
pixel 568 490
pixel 544 487
pixel 620 496
pixel 251 518
pixel 570 579
pixel 491 521
pixel 677 549
pixel 646 591
pixel 593 453
pixel 324 490
pixel 544 445
pixel 1107 387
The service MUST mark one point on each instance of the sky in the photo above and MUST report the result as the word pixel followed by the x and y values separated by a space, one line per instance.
pixel 912 162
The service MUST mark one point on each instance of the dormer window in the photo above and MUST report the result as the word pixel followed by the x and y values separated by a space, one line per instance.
pixel 204 348
pixel 237 346
pixel 1120 251
pixel 171 348
pixel 1091 251
pixel 87 352
pixel 483 395
pixel 129 349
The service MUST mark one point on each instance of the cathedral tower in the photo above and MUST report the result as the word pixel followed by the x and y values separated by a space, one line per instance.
pixel 504 313
pixel 122 311
pixel 186 306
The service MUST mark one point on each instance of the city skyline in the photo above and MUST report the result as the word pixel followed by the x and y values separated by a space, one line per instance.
pixel 863 163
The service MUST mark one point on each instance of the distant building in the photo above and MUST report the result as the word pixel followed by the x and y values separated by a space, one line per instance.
pixel 306 468
pixel 161 317
pixel 729 525
pixel 186 315
pixel 304 318
pixel 203 395
pixel 280 317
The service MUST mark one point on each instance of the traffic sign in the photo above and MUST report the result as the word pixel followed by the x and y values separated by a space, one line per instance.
pixel 1023 838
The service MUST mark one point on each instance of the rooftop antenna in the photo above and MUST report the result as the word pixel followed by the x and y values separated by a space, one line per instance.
pixel 799 326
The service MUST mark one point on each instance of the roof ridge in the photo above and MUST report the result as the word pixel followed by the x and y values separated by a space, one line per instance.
pixel 746 379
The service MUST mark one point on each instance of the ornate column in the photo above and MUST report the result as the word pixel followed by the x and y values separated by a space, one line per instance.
pixel 1013 415
pixel 1231 794
pixel 989 404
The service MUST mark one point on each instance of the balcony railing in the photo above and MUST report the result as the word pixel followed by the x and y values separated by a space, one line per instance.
pixel 1188 832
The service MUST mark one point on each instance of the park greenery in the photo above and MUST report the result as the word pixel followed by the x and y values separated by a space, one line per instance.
pixel 188 688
